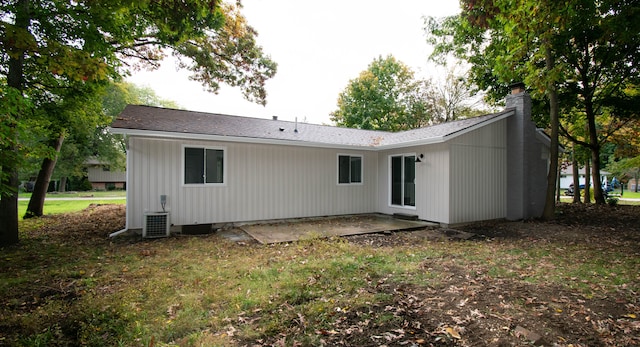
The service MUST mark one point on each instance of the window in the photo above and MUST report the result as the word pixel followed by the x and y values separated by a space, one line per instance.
pixel 403 177
pixel 203 165
pixel 349 169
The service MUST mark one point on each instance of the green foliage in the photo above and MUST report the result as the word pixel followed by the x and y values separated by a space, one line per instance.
pixel 567 52
pixel 230 56
pixel 12 103
pixel 386 96
pixel 95 141
pixel 625 169
pixel 57 55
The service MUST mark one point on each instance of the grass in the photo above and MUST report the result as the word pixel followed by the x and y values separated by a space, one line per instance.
pixel 195 291
pixel 616 193
pixel 52 206
pixel 65 206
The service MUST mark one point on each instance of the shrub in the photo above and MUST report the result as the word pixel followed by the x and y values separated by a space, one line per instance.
pixel 80 184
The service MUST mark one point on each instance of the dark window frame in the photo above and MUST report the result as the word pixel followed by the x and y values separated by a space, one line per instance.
pixel 204 166
pixel 350 169
pixel 402 177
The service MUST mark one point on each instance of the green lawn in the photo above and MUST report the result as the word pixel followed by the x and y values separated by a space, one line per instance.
pixel 616 193
pixel 66 206
pixel 628 194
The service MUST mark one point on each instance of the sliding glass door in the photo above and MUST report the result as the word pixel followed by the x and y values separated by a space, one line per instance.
pixel 403 180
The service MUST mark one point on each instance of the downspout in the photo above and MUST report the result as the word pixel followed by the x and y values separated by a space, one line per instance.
pixel 126 172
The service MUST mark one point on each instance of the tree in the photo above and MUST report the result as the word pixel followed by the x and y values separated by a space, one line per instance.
pixel 75 113
pixel 452 98
pixel 386 96
pixel 98 143
pixel 626 168
pixel 504 41
pixel 625 160
pixel 567 51
pixel 48 47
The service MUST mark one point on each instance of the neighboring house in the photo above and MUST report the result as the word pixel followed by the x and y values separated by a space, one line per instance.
pixel 102 178
pixel 214 168
pixel 632 185
pixel 566 176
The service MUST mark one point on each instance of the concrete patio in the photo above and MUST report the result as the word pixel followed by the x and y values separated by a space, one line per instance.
pixel 307 228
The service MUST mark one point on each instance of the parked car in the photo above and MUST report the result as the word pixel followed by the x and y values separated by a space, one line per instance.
pixel 605 189
pixel 570 190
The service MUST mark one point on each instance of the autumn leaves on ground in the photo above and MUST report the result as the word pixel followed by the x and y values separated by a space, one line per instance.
pixel 571 282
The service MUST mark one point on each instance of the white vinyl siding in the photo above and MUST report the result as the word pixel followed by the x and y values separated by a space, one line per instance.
pixel 478 170
pixel 262 182
pixel 431 183
pixel 458 181
pixel 98 174
pixel 461 180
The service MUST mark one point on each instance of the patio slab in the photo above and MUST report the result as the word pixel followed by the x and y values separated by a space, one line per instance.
pixel 307 228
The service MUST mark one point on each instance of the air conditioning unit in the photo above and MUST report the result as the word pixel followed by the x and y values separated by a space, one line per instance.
pixel 156 224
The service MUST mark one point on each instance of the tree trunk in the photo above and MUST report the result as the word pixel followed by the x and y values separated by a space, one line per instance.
pixel 36 203
pixel 587 183
pixel 576 179
pixel 63 184
pixel 552 93
pixel 558 185
pixel 9 202
pixel 9 156
pixel 595 161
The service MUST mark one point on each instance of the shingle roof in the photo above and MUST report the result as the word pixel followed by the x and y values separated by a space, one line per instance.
pixel 136 119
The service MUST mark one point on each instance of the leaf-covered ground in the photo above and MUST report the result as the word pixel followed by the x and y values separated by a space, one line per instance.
pixel 471 306
pixel 570 282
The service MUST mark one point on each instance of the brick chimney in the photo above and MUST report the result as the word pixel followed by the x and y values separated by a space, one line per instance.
pixel 517 88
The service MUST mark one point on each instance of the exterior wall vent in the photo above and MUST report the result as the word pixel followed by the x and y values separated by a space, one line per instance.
pixel 156 224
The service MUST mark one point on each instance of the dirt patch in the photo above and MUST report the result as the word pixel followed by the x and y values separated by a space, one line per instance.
pixel 468 308
pixel 93 224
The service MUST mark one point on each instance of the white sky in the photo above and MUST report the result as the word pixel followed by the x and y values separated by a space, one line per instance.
pixel 319 46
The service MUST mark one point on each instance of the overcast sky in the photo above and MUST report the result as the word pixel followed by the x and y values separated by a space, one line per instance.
pixel 319 46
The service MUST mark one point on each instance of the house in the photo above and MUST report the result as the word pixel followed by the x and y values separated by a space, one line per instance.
pixel 102 178
pixel 633 185
pixel 566 176
pixel 210 168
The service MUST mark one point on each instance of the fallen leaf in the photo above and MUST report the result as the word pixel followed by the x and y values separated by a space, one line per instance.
pixel 453 333
pixel 476 313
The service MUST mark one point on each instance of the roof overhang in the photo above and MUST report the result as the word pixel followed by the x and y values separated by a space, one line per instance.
pixel 444 138
pixel 225 138
pixel 222 138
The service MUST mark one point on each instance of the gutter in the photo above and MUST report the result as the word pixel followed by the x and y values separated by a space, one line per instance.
pixel 126 219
